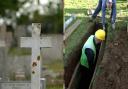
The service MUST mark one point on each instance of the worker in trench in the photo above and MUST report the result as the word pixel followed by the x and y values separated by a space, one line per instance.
pixel 102 5
pixel 89 57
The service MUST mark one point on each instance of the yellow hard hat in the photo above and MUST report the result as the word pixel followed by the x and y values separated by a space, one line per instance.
pixel 100 34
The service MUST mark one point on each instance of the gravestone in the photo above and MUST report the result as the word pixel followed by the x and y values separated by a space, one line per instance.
pixel 20 75
pixel 20 84
pixel 3 51
pixel 15 85
pixel 2 35
pixel 2 43
pixel 2 58
pixel 35 42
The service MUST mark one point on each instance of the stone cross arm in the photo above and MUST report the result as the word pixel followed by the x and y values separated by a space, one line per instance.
pixel 44 42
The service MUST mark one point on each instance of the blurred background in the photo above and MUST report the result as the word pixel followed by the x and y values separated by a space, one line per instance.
pixel 24 12
pixel 16 18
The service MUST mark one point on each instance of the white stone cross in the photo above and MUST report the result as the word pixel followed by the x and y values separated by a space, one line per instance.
pixel 35 42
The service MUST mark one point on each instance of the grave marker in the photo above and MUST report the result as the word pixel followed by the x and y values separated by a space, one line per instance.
pixel 35 42
pixel 15 85
pixel 2 43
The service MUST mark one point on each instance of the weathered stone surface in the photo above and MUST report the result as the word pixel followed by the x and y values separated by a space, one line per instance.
pixel 35 42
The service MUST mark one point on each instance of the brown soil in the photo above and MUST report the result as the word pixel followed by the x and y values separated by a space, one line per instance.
pixel 113 70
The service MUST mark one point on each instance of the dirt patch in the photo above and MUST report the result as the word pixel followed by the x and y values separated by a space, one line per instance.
pixel 113 71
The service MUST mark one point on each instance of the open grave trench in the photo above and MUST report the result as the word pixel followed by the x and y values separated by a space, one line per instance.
pixel 112 63
pixel 112 72
pixel 71 71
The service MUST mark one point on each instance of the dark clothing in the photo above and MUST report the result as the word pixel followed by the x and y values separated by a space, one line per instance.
pixel 85 78
pixel 90 56
pixel 97 49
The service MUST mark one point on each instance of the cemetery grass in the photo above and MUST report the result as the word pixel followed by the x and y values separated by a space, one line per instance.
pixel 57 67
pixel 19 51
pixel 79 8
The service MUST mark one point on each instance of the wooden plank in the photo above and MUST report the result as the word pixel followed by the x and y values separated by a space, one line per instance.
pixel 71 29
pixel 75 78
pixel 69 21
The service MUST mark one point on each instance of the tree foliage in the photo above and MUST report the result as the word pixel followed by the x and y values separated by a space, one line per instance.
pixel 53 21
pixel 10 5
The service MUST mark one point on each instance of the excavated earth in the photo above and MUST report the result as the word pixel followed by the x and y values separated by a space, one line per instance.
pixel 113 69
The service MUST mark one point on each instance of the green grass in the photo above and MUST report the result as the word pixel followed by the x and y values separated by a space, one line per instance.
pixel 79 8
pixel 55 65
pixel 75 38
pixel 54 86
pixel 19 51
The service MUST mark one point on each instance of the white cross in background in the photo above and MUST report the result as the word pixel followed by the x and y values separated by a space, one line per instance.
pixel 35 42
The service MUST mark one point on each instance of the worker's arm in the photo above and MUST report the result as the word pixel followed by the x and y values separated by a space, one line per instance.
pixel 90 56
